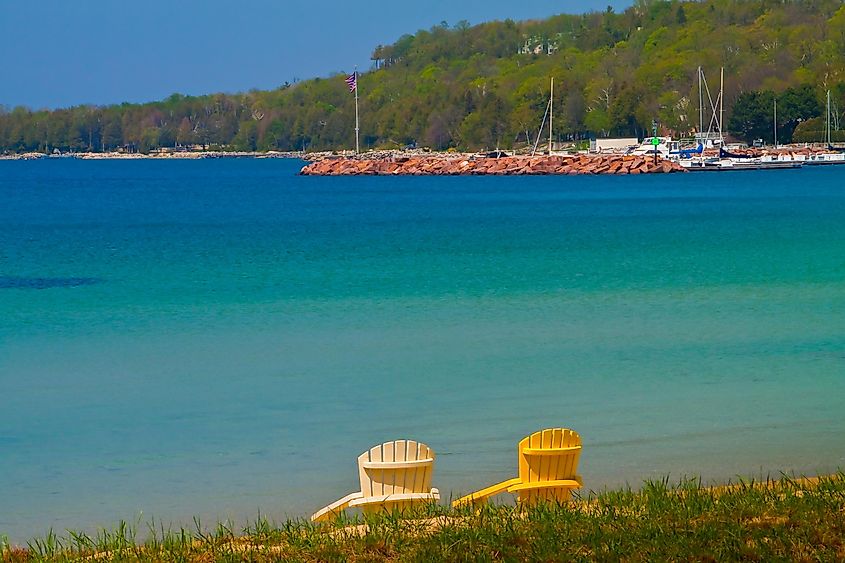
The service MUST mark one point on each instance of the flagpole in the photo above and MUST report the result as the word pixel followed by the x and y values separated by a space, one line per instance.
pixel 551 113
pixel 357 147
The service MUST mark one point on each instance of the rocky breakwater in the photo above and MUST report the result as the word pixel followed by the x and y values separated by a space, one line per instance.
pixel 504 166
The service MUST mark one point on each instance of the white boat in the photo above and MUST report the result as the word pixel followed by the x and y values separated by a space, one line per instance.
pixel 783 157
pixel 826 158
pixel 834 155
pixel 725 164
pixel 664 147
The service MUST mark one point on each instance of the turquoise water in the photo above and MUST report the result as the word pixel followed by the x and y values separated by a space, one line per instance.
pixel 216 338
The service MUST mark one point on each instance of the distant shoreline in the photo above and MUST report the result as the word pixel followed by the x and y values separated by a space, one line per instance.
pixel 370 155
pixel 187 155
pixel 196 155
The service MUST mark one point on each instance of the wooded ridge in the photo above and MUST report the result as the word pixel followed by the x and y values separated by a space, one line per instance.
pixel 487 86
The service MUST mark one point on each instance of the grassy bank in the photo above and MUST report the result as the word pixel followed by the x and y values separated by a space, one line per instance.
pixel 790 520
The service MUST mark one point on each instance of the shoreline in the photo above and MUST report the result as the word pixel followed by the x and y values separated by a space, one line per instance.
pixel 581 498
pixel 803 149
pixel 186 155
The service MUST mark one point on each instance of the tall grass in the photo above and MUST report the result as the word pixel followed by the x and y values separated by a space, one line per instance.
pixel 784 521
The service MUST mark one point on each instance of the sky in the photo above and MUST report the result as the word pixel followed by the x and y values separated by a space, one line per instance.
pixel 60 53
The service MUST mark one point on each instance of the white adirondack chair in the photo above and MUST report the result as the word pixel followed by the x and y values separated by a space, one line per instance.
pixel 394 475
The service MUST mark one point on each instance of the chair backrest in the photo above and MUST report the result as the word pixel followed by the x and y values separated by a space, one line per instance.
pixel 397 467
pixel 549 455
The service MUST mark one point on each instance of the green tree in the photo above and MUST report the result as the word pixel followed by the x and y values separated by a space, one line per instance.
pixel 795 105
pixel 753 116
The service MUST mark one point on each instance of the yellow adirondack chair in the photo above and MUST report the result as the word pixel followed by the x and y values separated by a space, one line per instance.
pixel 393 475
pixel 548 460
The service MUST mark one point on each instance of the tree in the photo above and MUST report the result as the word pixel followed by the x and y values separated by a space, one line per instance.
pixel 753 116
pixel 795 105
pixel 247 136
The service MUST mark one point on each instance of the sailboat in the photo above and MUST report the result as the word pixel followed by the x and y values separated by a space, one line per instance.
pixel 830 116
pixel 714 137
pixel 834 155
pixel 550 114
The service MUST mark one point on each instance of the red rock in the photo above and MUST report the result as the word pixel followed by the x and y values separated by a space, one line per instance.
pixel 517 165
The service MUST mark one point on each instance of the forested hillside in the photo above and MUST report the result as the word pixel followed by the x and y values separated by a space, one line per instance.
pixel 484 86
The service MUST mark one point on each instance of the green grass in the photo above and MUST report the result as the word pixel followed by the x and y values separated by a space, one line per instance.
pixel 785 521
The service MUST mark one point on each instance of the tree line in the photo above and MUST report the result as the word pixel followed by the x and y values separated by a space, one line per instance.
pixel 487 86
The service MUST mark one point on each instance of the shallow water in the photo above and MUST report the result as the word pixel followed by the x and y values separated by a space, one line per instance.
pixel 216 338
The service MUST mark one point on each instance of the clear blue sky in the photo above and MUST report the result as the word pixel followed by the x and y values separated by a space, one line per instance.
pixel 60 53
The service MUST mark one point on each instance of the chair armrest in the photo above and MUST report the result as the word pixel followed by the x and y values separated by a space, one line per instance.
pixel 335 507
pixel 483 494
pixel 384 499
pixel 576 483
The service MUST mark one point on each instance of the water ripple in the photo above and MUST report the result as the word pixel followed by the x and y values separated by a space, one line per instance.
pixel 14 282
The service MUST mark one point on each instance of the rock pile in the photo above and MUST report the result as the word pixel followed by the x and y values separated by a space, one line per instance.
pixel 506 166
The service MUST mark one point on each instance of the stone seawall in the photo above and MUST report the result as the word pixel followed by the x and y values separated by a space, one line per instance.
pixel 505 166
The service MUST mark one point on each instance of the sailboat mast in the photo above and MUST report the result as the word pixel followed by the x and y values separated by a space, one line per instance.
pixel 551 114
pixel 722 107
pixel 775 125
pixel 827 124
pixel 700 107
pixel 540 131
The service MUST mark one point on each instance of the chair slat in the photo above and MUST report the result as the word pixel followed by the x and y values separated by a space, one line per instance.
pixel 550 451
pixel 392 465
pixel 388 476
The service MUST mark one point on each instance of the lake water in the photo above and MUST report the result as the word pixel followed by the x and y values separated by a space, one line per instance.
pixel 215 338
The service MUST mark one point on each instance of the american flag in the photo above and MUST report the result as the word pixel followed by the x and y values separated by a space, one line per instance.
pixel 352 81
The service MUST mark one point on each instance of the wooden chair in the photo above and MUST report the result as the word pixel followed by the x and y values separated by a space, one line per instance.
pixel 548 460
pixel 394 476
